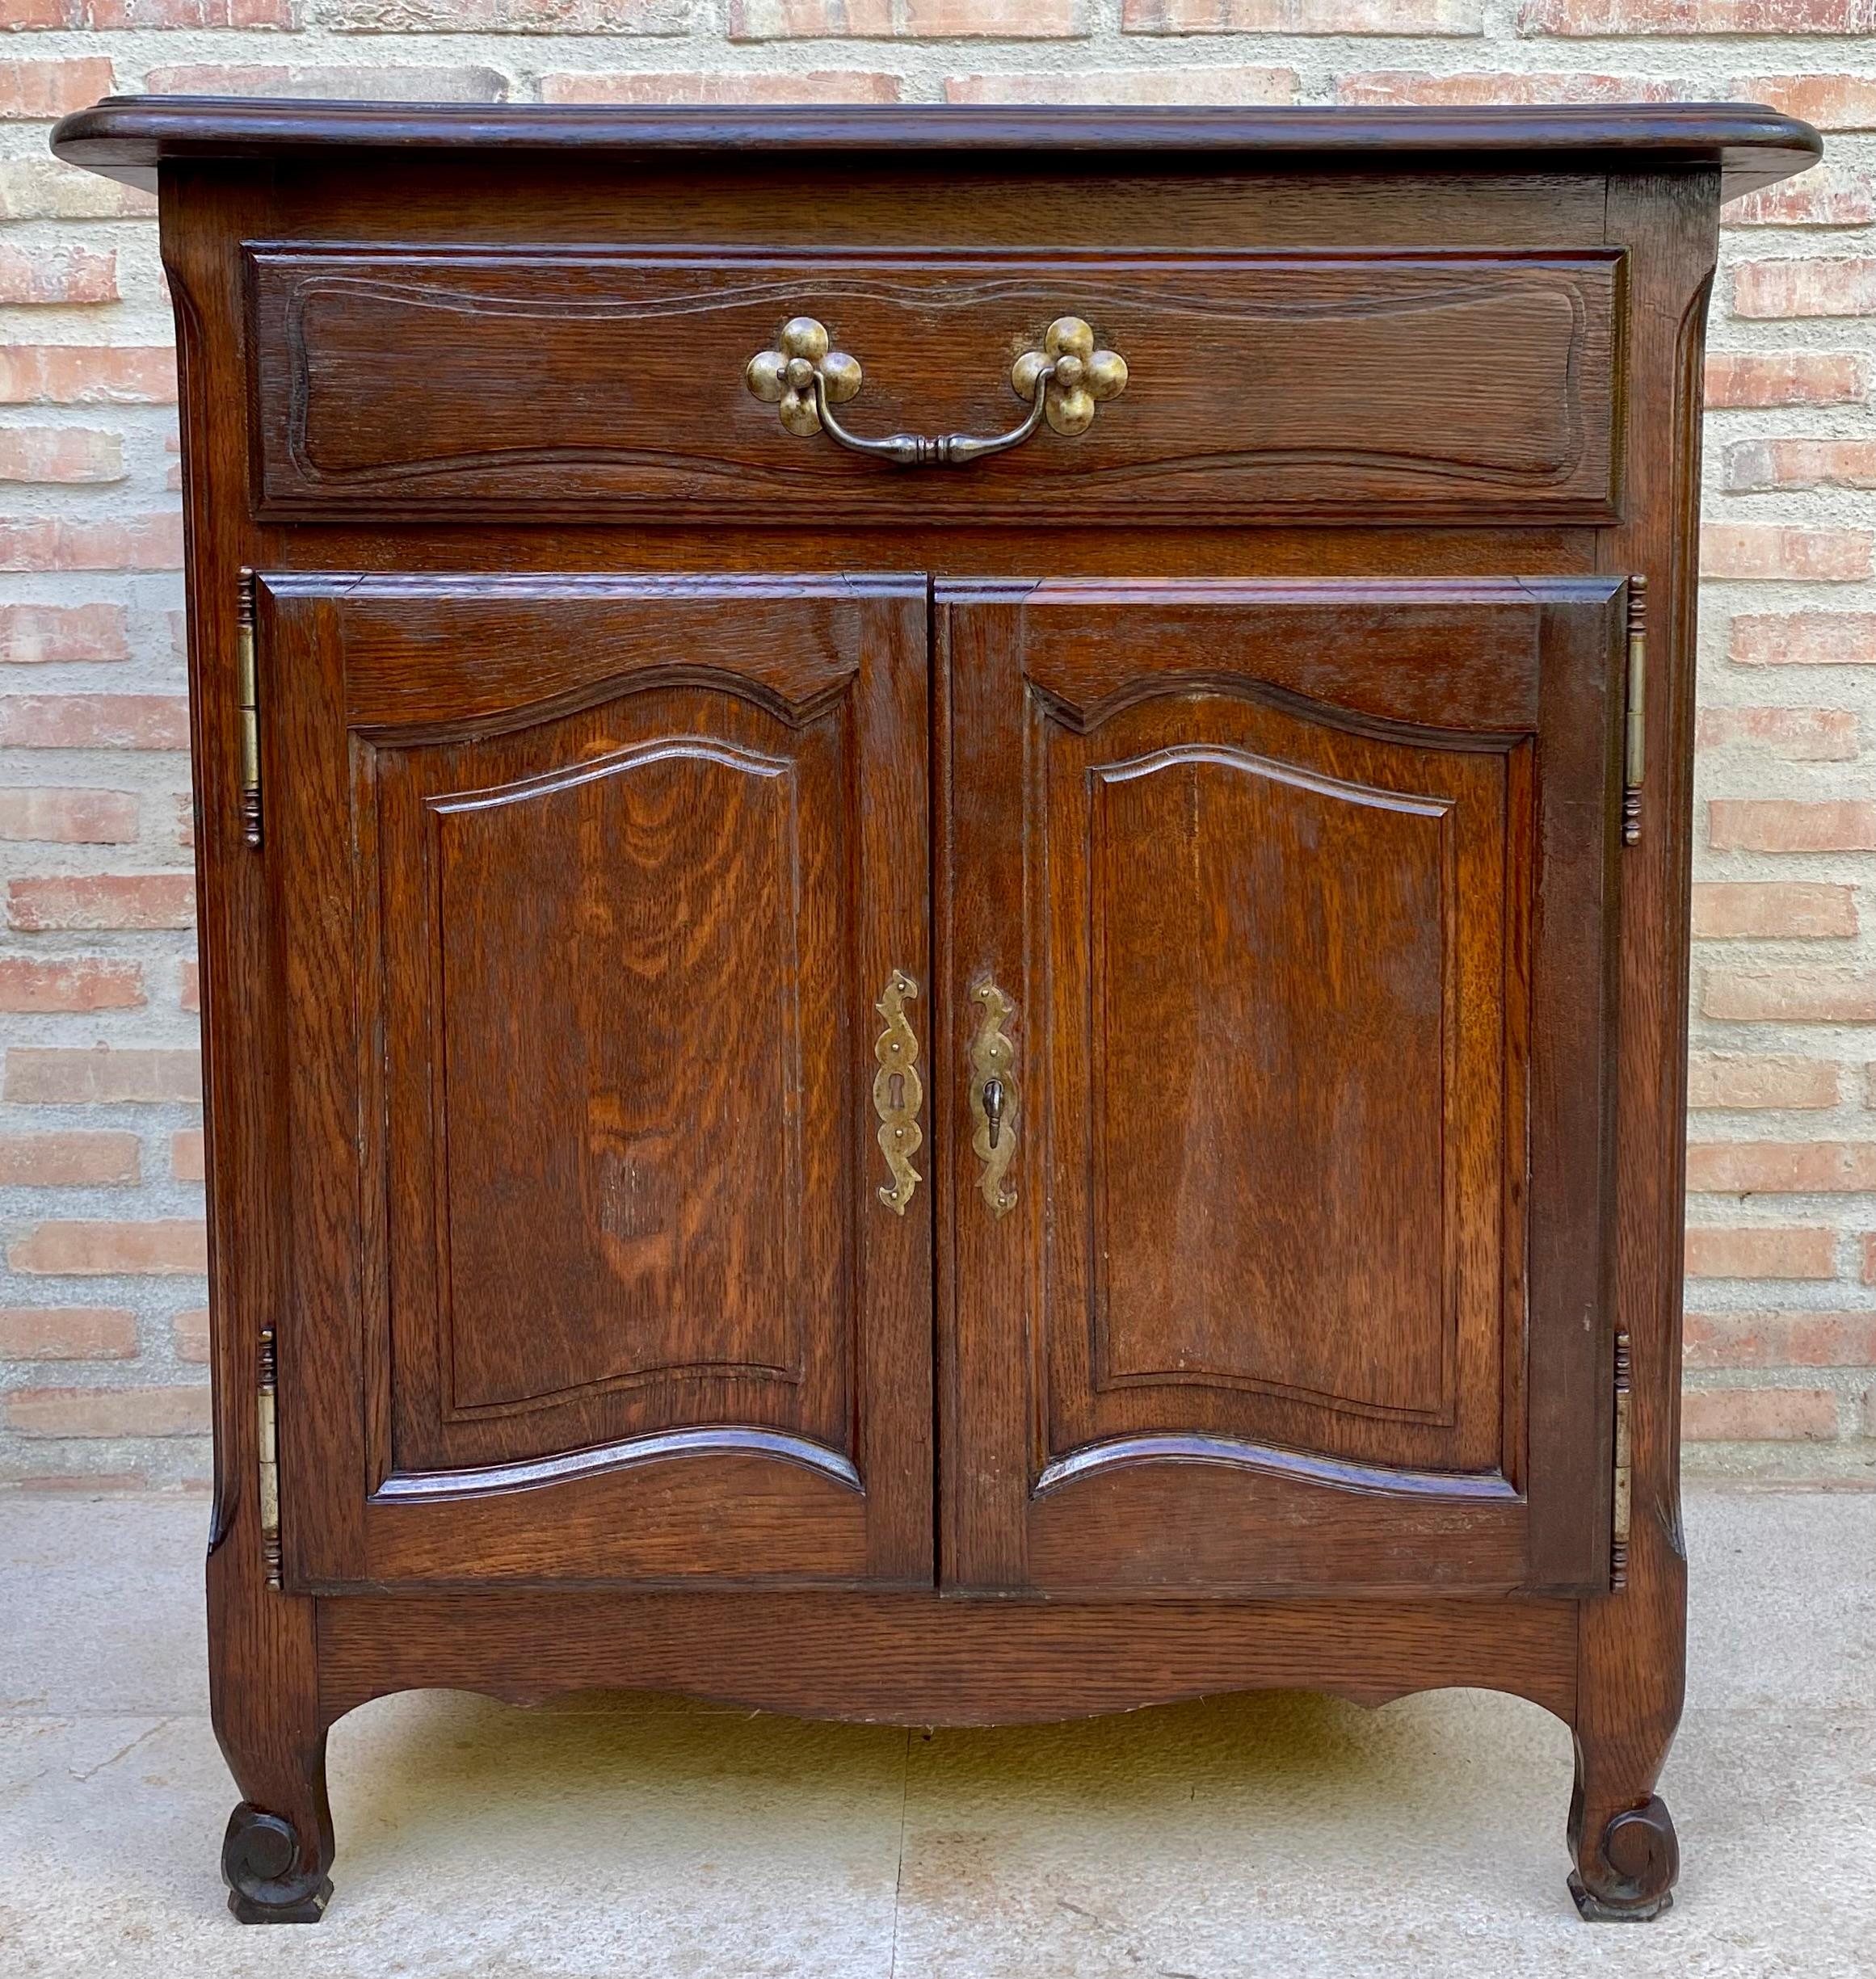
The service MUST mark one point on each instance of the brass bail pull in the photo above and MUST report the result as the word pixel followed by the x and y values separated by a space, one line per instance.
pixel 804 378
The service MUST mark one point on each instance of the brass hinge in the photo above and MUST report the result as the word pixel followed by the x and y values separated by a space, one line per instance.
pixel 1635 739
pixel 1618 1564
pixel 247 687
pixel 270 1461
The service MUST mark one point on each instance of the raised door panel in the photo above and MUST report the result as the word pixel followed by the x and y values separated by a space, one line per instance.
pixel 1289 879
pixel 623 861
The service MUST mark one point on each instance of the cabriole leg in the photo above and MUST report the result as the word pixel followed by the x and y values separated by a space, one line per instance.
pixel 263 1692
pixel 277 1848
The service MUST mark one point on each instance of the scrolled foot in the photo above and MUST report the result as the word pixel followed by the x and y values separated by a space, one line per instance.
pixel 271 1877
pixel 1629 1879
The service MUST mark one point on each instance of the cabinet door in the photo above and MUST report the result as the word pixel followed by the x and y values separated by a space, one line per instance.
pixel 587 890
pixel 1292 905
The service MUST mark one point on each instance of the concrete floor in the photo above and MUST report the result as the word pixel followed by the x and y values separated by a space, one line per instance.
pixel 619 1835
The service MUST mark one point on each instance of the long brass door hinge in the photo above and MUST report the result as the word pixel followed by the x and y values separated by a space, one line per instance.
pixel 247 691
pixel 268 1442
pixel 1635 734
pixel 1618 1559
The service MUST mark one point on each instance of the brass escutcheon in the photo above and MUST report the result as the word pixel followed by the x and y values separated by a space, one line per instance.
pixel 896 1092
pixel 993 1097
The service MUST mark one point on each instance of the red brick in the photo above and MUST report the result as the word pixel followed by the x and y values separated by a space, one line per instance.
pixel 187 1160
pixel 100 1074
pixel 1869 1249
pixel 190 1329
pixel 1692 17
pixel 1759 1415
pixel 67 1333
pixel 1773 910
pixel 1779 1339
pixel 67 1160
pixel 1802 288
pixel 1770 550
pixel 95 721
pixel 108 1411
pixel 387 82
pixel 84 374
pixel 818 85
pixel 73 983
pixel 41 188
pixel 69 816
pixel 1782 378
pixel 1302 17
pixel 1128 85
pixel 60 454
pixel 1789 996
pixel 137 543
pixel 93 1483
pixel 185 819
pixel 1825 196
pixel 57 635
pixel 1783 825
pixel 1507 86
pixel 102 900
pixel 1755 466
pixel 1758 1254
pixel 906 20
pixel 51 89
pixel 62 275
pixel 1804 639
pixel 1833 103
pixel 1732 1081
pixel 522 17
pixel 169 1247
pixel 1782 1168
pixel 102 15
pixel 1792 734
pixel 191 995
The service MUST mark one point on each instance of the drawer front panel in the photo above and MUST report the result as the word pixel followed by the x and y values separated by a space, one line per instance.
pixel 1396 384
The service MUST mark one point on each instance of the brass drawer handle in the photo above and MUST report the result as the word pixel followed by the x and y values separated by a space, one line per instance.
pixel 993 1097
pixel 804 378
pixel 896 1092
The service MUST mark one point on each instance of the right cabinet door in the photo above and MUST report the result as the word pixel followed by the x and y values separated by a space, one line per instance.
pixel 1281 926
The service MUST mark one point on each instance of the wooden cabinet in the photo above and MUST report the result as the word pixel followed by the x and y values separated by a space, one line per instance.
pixel 944 977
pixel 617 866
pixel 1304 899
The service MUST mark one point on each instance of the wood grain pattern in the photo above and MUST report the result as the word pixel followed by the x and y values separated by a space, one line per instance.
pixel 1283 961
pixel 611 1294
pixel 536 1561
pixel 526 381
pixel 919 1659
pixel 128 135
pixel 1632 1666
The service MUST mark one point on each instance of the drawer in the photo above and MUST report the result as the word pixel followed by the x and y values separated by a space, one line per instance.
pixel 1386 384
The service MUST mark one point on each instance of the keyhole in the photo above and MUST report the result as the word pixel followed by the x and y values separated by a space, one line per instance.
pixel 896 1091
pixel 993 1107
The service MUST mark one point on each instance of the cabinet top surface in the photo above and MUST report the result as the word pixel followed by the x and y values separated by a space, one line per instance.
pixel 127 137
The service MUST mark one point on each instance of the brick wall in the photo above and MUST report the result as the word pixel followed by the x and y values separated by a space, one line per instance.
pixel 102 1327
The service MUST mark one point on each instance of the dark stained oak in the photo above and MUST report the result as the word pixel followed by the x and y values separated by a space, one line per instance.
pixel 1304 989
pixel 531 382
pixel 579 1204
pixel 129 135
pixel 1262 746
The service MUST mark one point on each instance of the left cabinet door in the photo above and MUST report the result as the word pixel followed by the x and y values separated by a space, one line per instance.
pixel 589 892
